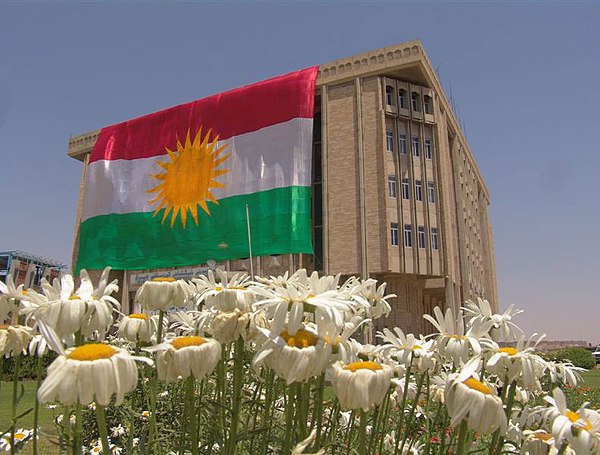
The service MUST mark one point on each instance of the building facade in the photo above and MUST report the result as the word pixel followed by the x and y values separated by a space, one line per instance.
pixel 397 195
pixel 28 269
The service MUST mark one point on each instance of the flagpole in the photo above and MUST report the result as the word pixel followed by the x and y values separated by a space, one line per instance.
pixel 249 242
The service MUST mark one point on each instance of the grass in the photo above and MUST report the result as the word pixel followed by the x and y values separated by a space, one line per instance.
pixel 46 417
pixel 591 379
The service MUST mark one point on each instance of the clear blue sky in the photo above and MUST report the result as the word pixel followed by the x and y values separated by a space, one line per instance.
pixel 526 79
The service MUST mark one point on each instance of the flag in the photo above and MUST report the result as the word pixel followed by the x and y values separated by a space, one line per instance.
pixel 171 188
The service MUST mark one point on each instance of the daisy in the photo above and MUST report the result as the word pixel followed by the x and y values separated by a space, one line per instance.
pixel 409 350
pixel 162 294
pixel 503 328
pixel 226 295
pixel 469 398
pixel 361 385
pixel 453 341
pixel 518 364
pixel 9 297
pixel 92 372
pixel 370 298
pixel 138 327
pixel 294 358
pixel 185 356
pixel 538 442
pixel 580 429
pixel 14 339
pixel 21 437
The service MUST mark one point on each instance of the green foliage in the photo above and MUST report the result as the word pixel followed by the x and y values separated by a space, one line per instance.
pixel 27 367
pixel 579 357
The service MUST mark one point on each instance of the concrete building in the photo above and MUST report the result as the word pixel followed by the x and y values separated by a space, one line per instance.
pixel 397 194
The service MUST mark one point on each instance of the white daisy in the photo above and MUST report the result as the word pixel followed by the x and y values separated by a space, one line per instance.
pixel 185 356
pixel 361 385
pixel 294 358
pixel 226 295
pixel 14 339
pixel 138 327
pixel 162 294
pixel 9 297
pixel 467 397
pixel 92 372
pixel 409 350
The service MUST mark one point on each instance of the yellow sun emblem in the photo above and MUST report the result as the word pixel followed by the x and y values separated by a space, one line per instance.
pixel 188 178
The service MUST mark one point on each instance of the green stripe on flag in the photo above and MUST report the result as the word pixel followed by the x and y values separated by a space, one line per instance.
pixel 280 222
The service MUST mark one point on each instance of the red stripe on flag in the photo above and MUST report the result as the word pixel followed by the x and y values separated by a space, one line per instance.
pixel 231 113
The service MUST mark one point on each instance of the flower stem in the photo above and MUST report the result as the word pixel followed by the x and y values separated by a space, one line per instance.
pixel 13 415
pixel 462 437
pixel 36 404
pixel 289 417
pixel 318 412
pixel 101 419
pixel 159 329
pixel 362 432
pixel 238 370
pixel 189 403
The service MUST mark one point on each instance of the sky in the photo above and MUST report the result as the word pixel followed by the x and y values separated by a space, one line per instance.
pixel 525 79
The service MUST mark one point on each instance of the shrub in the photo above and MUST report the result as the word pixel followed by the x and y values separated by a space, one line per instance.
pixel 579 357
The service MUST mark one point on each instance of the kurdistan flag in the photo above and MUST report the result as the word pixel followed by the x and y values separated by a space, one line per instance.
pixel 171 188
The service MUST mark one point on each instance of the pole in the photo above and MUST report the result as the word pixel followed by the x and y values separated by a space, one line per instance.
pixel 249 242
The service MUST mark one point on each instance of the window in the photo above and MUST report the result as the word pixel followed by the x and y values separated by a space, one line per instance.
pixel 428 150
pixel 394 233
pixel 415 143
pixel 402 98
pixel 414 97
pixel 428 104
pixel 389 140
pixel 421 236
pixel 418 190
pixel 389 95
pixel 407 235
pixel 431 192
pixel 434 239
pixel 402 142
pixel 405 189
pixel 392 186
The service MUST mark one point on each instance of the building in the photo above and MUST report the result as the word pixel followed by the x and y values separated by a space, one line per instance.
pixel 28 269
pixel 397 194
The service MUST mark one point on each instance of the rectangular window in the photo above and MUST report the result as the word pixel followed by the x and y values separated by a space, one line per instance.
pixel 415 144
pixel 402 98
pixel 418 190
pixel 434 239
pixel 402 142
pixel 389 140
pixel 405 189
pixel 428 104
pixel 428 150
pixel 421 235
pixel 431 192
pixel 394 233
pixel 392 186
pixel 415 102
pixel 407 235
pixel 389 93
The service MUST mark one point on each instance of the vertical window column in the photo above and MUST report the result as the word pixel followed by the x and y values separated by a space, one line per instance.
pixel 389 140
pixel 418 190
pixel 421 236
pixel 394 233
pixel 405 189
pixel 392 186
pixel 408 235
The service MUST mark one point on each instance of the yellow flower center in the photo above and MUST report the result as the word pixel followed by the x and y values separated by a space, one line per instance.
pixel 92 351
pixel 366 365
pixel 4 327
pixel 509 351
pixel 184 342
pixel 163 279
pixel 474 384
pixel 138 316
pixel 20 436
pixel 23 292
pixel 74 297
pixel 574 417
pixel 335 342
pixel 302 339
pixel 457 337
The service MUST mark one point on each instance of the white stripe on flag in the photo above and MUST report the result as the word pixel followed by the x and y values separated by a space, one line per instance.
pixel 273 157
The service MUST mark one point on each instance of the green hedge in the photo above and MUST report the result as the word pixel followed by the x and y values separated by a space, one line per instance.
pixel 27 366
pixel 579 357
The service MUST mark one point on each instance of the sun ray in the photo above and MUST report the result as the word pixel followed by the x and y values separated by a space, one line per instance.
pixel 188 176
